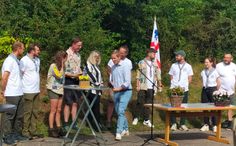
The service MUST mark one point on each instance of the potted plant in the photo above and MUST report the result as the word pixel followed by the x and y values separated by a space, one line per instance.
pixel 84 81
pixel 221 98
pixel 176 95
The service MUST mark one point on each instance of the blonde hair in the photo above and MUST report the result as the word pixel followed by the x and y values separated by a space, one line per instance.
pixel 92 59
pixel 116 52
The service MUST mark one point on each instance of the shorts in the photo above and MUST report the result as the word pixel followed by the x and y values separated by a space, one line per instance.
pixel 53 95
pixel 71 96
pixel 232 99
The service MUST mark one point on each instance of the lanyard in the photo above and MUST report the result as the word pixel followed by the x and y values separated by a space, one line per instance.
pixel 18 63
pixel 150 66
pixel 180 70
pixel 208 73
pixel 35 63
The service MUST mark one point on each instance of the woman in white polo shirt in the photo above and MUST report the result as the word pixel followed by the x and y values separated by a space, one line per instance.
pixel 211 82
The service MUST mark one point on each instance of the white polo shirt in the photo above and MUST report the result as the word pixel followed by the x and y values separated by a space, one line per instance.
pixel 30 74
pixel 209 78
pixel 227 76
pixel 14 83
pixel 180 73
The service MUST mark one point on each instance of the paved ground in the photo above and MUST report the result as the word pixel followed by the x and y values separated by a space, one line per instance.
pixel 191 138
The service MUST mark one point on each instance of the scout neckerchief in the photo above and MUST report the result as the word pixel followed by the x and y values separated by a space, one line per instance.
pixel 180 70
pixel 150 66
pixel 34 61
pixel 90 73
pixel 208 73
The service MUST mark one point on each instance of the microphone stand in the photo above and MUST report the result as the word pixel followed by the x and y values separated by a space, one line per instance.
pixel 153 87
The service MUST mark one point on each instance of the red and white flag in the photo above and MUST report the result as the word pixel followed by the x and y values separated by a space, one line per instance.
pixel 155 43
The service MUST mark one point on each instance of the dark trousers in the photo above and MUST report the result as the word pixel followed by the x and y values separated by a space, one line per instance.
pixel 13 121
pixel 207 97
pixel 95 109
pixel 182 120
pixel 144 97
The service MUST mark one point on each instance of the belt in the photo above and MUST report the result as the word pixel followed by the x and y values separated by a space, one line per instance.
pixel 125 90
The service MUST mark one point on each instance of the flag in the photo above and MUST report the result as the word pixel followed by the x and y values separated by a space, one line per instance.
pixel 155 43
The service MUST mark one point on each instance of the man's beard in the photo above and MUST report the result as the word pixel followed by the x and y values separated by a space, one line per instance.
pixel 227 63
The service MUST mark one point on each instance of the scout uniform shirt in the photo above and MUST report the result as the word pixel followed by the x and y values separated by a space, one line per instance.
pixel 73 62
pixel 180 73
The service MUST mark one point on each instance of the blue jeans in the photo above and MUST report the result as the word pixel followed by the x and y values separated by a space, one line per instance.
pixel 121 100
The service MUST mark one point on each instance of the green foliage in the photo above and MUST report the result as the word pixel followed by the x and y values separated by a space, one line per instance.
pixel 5 46
pixel 6 42
pixel 45 99
pixel 201 28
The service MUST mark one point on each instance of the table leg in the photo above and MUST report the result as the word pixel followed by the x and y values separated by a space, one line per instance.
pixel 86 116
pixel 73 122
pixel 167 131
pixel 218 138
pixel 94 119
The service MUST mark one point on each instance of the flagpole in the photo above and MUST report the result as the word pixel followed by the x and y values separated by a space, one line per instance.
pixel 151 138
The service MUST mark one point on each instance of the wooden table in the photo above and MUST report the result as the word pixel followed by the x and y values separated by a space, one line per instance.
pixel 192 110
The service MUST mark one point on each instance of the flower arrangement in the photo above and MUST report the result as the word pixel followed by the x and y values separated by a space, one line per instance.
pixel 84 78
pixel 176 96
pixel 175 91
pixel 221 98
pixel 84 81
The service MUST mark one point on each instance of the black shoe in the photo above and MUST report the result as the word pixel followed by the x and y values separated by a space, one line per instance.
pixel 53 133
pixel 23 138
pixel 9 139
pixel 75 127
pixel 61 131
pixel 227 124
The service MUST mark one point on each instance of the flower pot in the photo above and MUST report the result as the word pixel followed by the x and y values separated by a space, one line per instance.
pixel 222 103
pixel 176 100
pixel 84 84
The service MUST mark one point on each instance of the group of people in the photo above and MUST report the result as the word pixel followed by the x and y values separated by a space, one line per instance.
pixel 21 87
pixel 215 77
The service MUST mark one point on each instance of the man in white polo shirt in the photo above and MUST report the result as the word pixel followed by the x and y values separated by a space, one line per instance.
pixel 12 90
pixel 123 52
pixel 181 75
pixel 227 72
pixel 30 66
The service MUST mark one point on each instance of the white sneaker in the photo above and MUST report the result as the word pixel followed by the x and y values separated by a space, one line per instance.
pixel 125 133
pixel 148 123
pixel 214 128
pixel 205 128
pixel 174 127
pixel 183 127
pixel 135 121
pixel 118 137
